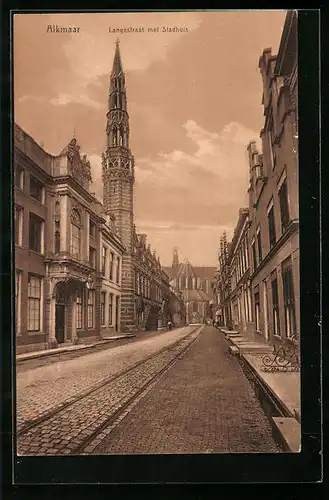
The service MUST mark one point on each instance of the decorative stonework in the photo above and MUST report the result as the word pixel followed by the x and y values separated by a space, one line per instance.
pixel 81 169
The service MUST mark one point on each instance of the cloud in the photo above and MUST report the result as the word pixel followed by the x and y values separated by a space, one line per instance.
pixel 64 99
pixel 221 155
pixel 169 227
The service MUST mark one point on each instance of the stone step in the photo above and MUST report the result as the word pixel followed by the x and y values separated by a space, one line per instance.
pixel 255 348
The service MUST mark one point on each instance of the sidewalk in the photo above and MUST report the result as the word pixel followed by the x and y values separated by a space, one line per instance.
pixel 90 345
pixel 284 386
pixel 69 348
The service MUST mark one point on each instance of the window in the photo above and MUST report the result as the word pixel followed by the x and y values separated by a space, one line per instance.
pixel 284 208
pixel 288 298
pixel 259 247
pixel 34 303
pixel 57 241
pixel 271 227
pixel 75 241
pixel 110 309
pixel 138 285
pixel 104 252
pixel 90 308
pixel 118 270
pixel 79 310
pixel 254 255
pixel 75 234
pixel 111 265
pixel 270 145
pixel 92 229
pixel 18 225
pixel 19 177
pixel 36 233
pixel 92 257
pixel 258 165
pixel 36 189
pixel 18 294
pixel 257 310
pixel 103 298
pixel 275 303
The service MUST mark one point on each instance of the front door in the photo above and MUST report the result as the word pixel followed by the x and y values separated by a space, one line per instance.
pixel 60 323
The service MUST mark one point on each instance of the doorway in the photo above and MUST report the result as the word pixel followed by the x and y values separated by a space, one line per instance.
pixel 60 323
pixel 117 303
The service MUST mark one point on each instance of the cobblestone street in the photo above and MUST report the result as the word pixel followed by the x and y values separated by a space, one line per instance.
pixel 203 405
pixel 177 392
pixel 50 385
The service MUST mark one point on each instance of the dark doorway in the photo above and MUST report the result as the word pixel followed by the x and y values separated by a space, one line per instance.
pixel 117 305
pixel 60 323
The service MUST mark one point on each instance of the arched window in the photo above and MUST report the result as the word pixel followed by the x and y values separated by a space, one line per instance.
pixel 189 283
pixel 121 136
pixel 114 136
pixel 57 236
pixel 57 241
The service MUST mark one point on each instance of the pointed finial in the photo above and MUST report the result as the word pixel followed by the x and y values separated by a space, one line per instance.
pixel 117 41
pixel 74 132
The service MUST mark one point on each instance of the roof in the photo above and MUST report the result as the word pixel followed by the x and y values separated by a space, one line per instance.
pixel 186 269
pixel 194 295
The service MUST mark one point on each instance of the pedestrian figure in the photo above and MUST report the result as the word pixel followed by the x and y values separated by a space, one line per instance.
pixel 169 325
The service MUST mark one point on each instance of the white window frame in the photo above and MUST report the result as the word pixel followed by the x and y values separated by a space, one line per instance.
pixel 32 332
pixel 103 294
pixel 91 293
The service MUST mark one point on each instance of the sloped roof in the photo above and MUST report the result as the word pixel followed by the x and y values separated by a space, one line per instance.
pixel 202 272
pixel 185 269
pixel 117 64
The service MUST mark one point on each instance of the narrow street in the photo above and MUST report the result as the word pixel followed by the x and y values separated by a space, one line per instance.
pixel 175 392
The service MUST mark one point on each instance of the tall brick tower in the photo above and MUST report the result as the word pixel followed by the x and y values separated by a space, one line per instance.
pixel 118 183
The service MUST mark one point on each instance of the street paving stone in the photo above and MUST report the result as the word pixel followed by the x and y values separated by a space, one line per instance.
pixel 42 389
pixel 204 404
pixel 68 429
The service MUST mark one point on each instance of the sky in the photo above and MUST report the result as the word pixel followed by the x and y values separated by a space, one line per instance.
pixel 194 103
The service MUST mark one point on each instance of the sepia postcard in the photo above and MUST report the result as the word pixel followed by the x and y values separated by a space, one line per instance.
pixel 156 205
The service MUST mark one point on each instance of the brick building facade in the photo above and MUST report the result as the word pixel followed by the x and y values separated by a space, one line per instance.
pixel 60 230
pixel 82 270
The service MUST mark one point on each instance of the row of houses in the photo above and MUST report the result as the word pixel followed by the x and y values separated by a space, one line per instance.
pixel 257 281
pixel 82 270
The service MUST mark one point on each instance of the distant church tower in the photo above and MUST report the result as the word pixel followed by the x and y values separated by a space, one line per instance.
pixel 118 183
pixel 175 260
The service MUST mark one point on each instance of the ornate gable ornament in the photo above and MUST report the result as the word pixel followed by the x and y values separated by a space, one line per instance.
pixel 81 169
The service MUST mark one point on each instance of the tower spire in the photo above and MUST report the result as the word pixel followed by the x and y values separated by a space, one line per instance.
pixel 118 183
pixel 175 260
pixel 117 64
